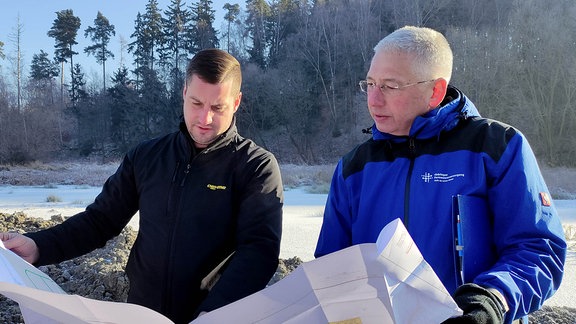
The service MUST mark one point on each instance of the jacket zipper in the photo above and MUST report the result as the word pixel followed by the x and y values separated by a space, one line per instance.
pixel 186 171
pixel 175 172
pixel 189 165
pixel 168 279
pixel 412 149
pixel 168 298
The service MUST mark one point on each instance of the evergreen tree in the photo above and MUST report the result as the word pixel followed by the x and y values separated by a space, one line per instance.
pixel 100 34
pixel 64 31
pixel 152 113
pixel 203 32
pixel 175 100
pixel 123 104
pixel 284 21
pixel 138 48
pixel 42 74
pixel 77 86
pixel 232 12
pixel 42 68
pixel 173 54
pixel 256 25
pixel 148 35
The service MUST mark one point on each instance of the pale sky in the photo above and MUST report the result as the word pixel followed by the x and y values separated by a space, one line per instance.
pixel 37 17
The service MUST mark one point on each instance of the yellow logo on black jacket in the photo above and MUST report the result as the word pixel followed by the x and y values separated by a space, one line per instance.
pixel 215 187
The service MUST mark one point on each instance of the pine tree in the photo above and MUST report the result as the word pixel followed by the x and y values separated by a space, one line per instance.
pixel 77 86
pixel 173 53
pixel 232 12
pixel 124 100
pixel 2 56
pixel 100 35
pixel 42 67
pixel 148 35
pixel 64 31
pixel 284 22
pixel 42 74
pixel 203 32
pixel 256 23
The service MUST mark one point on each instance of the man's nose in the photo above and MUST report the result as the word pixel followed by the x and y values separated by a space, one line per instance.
pixel 375 97
pixel 206 115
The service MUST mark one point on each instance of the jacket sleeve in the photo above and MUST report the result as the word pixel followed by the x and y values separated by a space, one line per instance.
pixel 335 233
pixel 91 229
pixel 258 234
pixel 528 232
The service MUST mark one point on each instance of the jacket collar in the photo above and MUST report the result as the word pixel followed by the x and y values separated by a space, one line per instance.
pixel 221 141
pixel 455 107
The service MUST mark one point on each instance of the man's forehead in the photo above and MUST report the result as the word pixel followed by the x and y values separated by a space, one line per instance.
pixel 389 65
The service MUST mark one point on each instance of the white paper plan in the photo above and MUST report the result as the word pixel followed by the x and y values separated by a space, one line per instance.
pixel 41 300
pixel 384 282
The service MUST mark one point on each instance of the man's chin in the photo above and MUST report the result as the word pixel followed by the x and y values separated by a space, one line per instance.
pixel 202 141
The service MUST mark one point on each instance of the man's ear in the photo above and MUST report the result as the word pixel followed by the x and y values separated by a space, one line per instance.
pixel 237 101
pixel 438 92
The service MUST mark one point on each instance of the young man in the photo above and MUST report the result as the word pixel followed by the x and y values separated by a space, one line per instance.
pixel 428 145
pixel 203 193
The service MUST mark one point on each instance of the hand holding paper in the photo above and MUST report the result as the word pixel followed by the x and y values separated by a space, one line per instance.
pixel 14 269
pixel 410 278
pixel 386 282
pixel 383 282
pixel 42 300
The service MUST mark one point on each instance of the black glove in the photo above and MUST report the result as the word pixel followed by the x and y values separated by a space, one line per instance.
pixel 480 306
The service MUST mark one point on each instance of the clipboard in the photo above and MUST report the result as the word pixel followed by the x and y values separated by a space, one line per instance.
pixel 474 247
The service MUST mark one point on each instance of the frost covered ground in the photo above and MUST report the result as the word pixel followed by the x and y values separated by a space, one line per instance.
pixel 45 190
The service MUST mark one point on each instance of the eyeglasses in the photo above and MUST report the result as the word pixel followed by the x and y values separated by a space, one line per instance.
pixel 387 86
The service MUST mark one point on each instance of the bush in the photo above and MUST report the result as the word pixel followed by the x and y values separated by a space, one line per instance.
pixel 53 199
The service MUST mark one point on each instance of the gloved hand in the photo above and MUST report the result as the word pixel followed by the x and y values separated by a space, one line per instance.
pixel 480 306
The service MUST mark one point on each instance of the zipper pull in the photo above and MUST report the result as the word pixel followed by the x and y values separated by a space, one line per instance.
pixel 186 171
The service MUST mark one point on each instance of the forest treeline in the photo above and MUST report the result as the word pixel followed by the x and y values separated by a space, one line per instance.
pixel 302 61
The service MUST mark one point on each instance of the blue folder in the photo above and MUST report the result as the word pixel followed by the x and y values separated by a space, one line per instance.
pixel 473 236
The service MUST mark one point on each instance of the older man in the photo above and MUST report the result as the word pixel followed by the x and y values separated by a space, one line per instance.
pixel 429 145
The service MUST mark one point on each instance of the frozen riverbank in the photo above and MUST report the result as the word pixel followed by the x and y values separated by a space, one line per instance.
pixel 302 220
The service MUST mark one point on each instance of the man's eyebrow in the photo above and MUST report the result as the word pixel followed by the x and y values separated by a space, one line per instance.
pixel 381 79
pixel 193 97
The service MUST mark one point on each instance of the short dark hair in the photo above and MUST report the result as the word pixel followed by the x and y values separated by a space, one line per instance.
pixel 215 66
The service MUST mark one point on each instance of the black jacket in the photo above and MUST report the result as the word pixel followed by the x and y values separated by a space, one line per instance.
pixel 195 209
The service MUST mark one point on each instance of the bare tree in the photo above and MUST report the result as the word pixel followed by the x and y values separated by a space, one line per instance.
pixel 15 37
pixel 520 71
pixel 415 12
pixel 546 64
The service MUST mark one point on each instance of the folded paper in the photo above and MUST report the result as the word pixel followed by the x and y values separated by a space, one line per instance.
pixel 384 282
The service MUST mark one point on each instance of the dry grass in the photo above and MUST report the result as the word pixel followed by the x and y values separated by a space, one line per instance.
pixel 316 178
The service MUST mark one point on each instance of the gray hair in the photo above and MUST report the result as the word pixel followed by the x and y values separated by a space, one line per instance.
pixel 432 54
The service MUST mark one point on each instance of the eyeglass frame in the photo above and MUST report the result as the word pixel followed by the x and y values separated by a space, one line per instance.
pixel 386 87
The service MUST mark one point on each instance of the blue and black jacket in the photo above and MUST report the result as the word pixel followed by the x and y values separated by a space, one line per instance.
pixel 451 151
